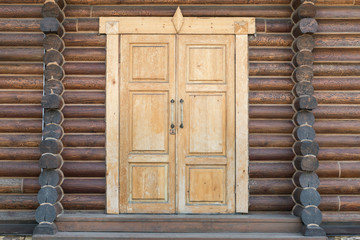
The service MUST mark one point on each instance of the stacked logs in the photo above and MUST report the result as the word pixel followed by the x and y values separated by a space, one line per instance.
pixel 51 146
pixel 305 195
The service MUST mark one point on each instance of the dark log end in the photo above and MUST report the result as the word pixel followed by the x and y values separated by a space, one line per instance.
pixel 50 161
pixel 53 116
pixel 305 26
pixel 52 25
pixel 311 215
pixel 303 73
pixel 51 9
pixel 307 196
pixel 296 3
pixel 51 145
pixel 54 86
pixel 50 195
pixel 306 179
pixel 304 117
pixel 53 55
pixel 306 10
pixel 53 130
pixel 45 213
pixel 306 147
pixel 303 88
pixel 54 71
pixel 53 41
pixel 305 102
pixel 45 229
pixel 304 42
pixel 304 133
pixel 52 101
pixel 306 163
pixel 303 58
pixel 61 3
pixel 313 231
pixel 51 177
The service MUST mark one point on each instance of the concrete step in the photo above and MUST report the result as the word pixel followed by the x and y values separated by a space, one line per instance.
pixel 175 236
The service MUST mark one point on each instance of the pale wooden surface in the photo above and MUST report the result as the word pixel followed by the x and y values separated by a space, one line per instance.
pixel 147 150
pixel 206 65
pixel 112 124
pixel 242 118
pixel 187 25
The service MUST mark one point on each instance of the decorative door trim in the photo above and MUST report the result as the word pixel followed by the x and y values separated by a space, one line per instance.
pixel 114 26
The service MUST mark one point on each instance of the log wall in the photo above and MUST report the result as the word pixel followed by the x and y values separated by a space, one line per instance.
pixel 336 83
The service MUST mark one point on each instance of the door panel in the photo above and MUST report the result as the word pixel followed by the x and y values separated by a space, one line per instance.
pixel 147 150
pixel 205 146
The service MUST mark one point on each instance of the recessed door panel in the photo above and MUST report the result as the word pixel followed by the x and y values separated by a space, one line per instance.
pixel 205 141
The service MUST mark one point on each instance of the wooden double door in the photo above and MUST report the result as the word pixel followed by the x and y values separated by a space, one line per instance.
pixel 177 124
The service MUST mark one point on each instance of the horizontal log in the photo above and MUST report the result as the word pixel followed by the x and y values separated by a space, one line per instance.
pixel 278 25
pixel 339 25
pixel 53 55
pixel 349 169
pixel 337 112
pixel 52 25
pixel 268 170
pixel 303 88
pixel 304 118
pixel 270 97
pixel 273 83
pixel 84 68
pixel 21 68
pixel 12 201
pixel 271 126
pixel 53 116
pixel 329 203
pixel 329 140
pixel 305 10
pixel 338 69
pixel 20 97
pixel 85 24
pixel 51 177
pixel 21 39
pixel 270 69
pixel 84 82
pixel 51 9
pixel 50 194
pixel 53 130
pixel 84 169
pixel 339 154
pixel 83 111
pixel 328 169
pixel 84 186
pixel 270 186
pixel 336 55
pixel 11 185
pixel 259 140
pixel 303 73
pixel 53 41
pixel 51 145
pixel 85 54
pixel 19 169
pixel 21 82
pixel 53 86
pixel 50 161
pixel 336 83
pixel 48 212
pixel 339 186
pixel 20 140
pixel 54 72
pixel 187 11
pixel 270 54
pixel 52 101
pixel 337 12
pixel 349 203
pixel 306 196
pixel 270 203
pixel 83 154
pixel 304 132
pixel 303 58
pixel 84 202
pixel 19 25
pixel 336 40
pixel 21 54
pixel 83 39
pixel 306 163
pixel 260 25
pixel 341 216
pixel 279 112
pixel 274 40
pixel 305 102
pixel 304 42
pixel 84 97
pixel 17 153
pixel 19 126
pixel 82 126
pixel 20 11
pixel 306 180
pixel 84 140
pixel 119 2
pixel 305 26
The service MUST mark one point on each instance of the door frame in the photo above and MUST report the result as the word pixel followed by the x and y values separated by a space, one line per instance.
pixel 113 27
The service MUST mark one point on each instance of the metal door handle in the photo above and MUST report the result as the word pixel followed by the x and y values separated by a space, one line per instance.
pixel 172 125
pixel 181 113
